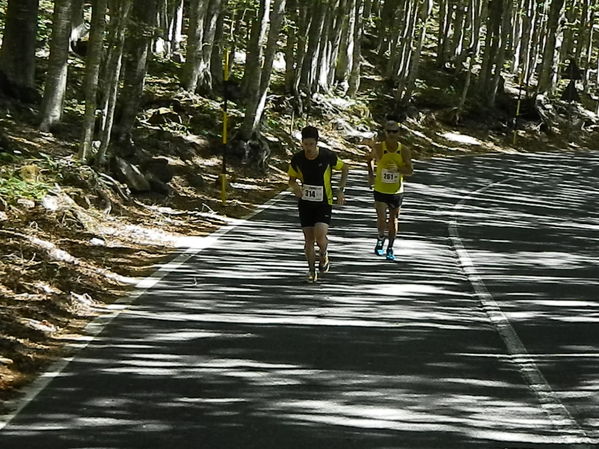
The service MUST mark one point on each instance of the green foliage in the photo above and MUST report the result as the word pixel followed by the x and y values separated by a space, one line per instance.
pixel 44 23
pixel 240 5
pixel 14 188
pixel 7 158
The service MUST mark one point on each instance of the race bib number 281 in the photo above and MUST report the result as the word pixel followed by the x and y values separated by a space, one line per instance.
pixel 390 176
pixel 312 193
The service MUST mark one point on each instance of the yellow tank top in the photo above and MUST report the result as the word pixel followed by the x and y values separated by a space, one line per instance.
pixel 387 177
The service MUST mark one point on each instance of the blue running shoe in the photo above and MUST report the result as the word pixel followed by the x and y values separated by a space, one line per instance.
pixel 390 255
pixel 378 249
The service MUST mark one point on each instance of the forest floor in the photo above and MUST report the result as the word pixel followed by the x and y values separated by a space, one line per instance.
pixel 72 244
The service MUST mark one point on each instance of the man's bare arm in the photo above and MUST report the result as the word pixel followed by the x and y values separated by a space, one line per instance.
pixel 407 169
pixel 342 183
pixel 295 188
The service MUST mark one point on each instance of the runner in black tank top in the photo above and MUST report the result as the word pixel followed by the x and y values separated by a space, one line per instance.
pixel 313 168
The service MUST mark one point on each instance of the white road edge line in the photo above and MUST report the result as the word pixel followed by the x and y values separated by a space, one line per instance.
pixel 558 413
pixel 93 328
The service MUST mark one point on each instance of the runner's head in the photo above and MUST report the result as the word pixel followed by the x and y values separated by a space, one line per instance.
pixel 310 141
pixel 392 129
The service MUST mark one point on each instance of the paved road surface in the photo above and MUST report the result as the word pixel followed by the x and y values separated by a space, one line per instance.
pixel 482 335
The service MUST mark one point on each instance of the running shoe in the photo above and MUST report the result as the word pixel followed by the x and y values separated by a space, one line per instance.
pixel 378 249
pixel 390 255
pixel 312 277
pixel 324 267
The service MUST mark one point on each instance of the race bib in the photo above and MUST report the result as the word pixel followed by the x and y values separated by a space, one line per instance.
pixel 389 176
pixel 312 193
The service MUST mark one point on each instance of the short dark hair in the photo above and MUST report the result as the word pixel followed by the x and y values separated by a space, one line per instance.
pixel 310 132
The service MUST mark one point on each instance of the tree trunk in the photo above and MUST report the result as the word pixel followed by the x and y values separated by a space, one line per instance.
pixel 536 33
pixel 56 77
pixel 522 55
pixel 116 43
pixel 218 50
pixel 384 25
pixel 336 41
pixel 354 76
pixel 255 49
pixel 309 69
pixel 176 25
pixel 204 72
pixel 259 84
pixel 325 50
pixel 423 12
pixel 492 41
pixel 135 66
pixel 17 54
pixel 587 44
pixel 458 26
pixel 304 25
pixel 503 36
pixel 92 72
pixel 161 44
pixel 396 31
pixel 404 48
pixel 191 69
pixel 78 26
pixel 346 53
pixel 291 49
pixel 443 31
pixel 549 67
pixel 572 19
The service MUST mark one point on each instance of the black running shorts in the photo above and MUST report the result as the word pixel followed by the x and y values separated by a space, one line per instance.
pixel 310 214
pixel 393 200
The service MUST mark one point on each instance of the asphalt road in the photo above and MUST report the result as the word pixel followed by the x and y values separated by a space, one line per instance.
pixel 483 334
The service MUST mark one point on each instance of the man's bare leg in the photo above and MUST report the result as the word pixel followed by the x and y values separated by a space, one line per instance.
pixel 310 252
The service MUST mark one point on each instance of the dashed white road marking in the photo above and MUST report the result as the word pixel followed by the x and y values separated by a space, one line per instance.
pixel 561 418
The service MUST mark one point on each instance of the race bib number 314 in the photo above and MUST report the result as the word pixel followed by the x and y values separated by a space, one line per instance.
pixel 312 193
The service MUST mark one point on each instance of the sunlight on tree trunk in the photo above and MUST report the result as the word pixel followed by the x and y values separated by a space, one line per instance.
pixel 56 77
pixel 136 58
pixel 92 72
pixel 259 87
pixel 116 42
pixel 550 53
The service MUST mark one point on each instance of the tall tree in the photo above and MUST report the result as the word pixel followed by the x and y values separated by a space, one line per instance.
pixel 423 12
pixel 195 33
pixel 137 53
pixel 346 44
pixel 176 24
pixel 56 77
pixel 309 69
pixel 291 43
pixel 17 54
pixel 550 54
pixel 119 16
pixel 258 83
pixel 221 45
pixel 205 82
pixel 202 27
pixel 92 72
pixel 492 63
pixel 354 76
pixel 79 27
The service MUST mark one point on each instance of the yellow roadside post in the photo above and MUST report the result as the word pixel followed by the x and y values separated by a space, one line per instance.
pixel 223 175
pixel 520 88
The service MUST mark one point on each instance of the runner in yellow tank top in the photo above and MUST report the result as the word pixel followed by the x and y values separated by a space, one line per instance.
pixel 393 161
